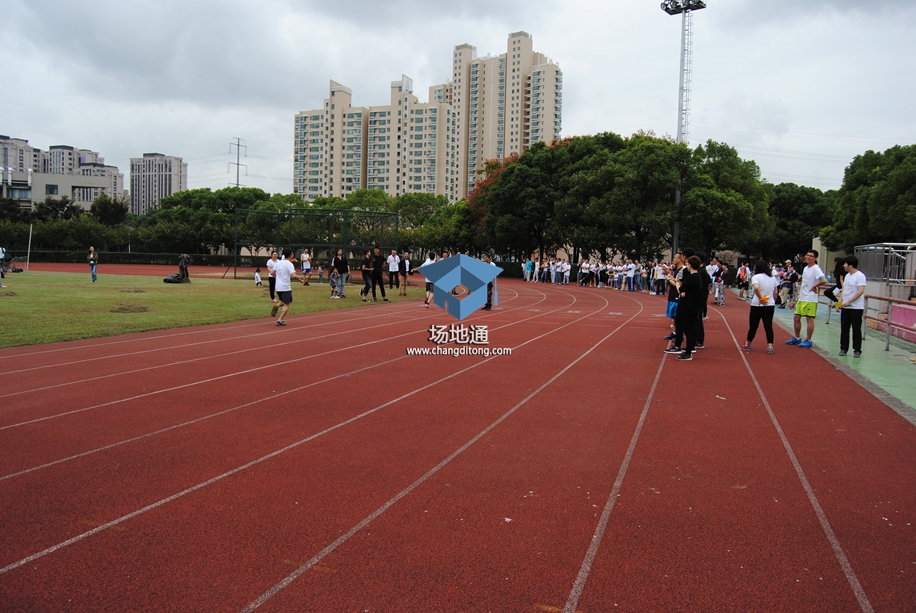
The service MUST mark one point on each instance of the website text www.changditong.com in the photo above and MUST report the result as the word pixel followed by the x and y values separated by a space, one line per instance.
pixel 459 351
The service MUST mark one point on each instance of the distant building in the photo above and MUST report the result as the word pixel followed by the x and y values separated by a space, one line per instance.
pixel 492 108
pixel 153 177
pixel 29 175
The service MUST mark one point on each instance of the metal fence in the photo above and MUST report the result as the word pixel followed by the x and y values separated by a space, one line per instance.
pixel 892 263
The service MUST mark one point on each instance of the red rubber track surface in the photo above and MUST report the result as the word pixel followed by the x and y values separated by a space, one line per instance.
pixel 244 467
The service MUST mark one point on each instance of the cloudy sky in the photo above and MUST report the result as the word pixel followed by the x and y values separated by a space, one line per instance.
pixel 799 86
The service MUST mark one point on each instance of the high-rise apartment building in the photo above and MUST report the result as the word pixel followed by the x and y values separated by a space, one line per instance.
pixel 491 108
pixel 153 177
pixel 62 170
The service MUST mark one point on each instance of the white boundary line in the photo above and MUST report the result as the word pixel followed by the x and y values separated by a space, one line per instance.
pixel 576 593
pixel 254 402
pixel 238 469
pixel 362 524
pixel 151 335
pixel 236 373
pixel 858 590
pixel 227 339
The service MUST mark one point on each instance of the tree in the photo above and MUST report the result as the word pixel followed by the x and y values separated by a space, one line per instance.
pixel 11 211
pixel 52 209
pixel 796 216
pixel 109 212
pixel 628 196
pixel 877 201
pixel 725 205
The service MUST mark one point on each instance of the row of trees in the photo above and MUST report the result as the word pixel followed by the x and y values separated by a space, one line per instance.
pixel 601 195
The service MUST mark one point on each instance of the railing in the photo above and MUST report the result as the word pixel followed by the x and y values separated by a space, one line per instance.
pixel 887 322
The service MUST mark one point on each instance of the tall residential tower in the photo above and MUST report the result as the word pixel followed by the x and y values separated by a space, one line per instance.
pixel 491 108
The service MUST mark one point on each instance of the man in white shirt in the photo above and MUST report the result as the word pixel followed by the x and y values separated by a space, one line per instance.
pixel 852 307
pixel 393 260
pixel 806 306
pixel 631 272
pixel 430 259
pixel 284 271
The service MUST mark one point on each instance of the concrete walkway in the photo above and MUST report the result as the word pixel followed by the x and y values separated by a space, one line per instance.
pixel 890 375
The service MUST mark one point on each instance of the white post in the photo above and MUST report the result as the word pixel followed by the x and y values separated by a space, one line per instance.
pixel 28 253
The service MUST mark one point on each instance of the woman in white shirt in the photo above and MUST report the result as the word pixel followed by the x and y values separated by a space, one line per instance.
pixel 763 304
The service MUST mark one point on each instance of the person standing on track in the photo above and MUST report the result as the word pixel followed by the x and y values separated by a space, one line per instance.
pixel 806 306
pixel 284 271
pixel 378 274
pixel 763 305
pixel 688 307
pixel 489 304
pixel 430 259
pixel 852 307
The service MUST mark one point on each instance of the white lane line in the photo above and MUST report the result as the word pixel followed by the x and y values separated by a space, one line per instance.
pixel 858 590
pixel 237 373
pixel 576 593
pixel 199 486
pixel 205 417
pixel 201 329
pixel 362 524
pixel 195 421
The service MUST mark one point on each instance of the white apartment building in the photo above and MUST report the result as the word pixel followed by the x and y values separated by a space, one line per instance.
pixel 153 177
pixel 30 175
pixel 492 108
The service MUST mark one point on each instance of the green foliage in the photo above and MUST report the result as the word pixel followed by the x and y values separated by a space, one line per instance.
pixel 724 205
pixel 53 209
pixel 796 216
pixel 109 212
pixel 12 212
pixel 877 201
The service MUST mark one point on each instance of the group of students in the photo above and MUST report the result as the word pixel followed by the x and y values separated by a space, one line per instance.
pixel 281 271
pixel 688 281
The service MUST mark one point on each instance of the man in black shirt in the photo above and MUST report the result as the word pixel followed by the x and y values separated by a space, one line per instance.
pixel 705 284
pixel 378 263
pixel 366 269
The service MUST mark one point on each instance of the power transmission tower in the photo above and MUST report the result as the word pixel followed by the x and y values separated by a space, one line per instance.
pixel 238 152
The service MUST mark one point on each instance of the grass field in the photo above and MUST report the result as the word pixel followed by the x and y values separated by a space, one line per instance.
pixel 46 307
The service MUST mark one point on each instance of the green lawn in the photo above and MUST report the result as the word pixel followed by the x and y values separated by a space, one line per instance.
pixel 46 307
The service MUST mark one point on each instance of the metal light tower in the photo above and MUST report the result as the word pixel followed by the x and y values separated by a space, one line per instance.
pixel 683 8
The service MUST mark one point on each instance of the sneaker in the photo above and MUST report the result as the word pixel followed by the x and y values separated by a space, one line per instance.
pixel 342 296
pixel 684 357
pixel 427 305
pixel 670 337
pixel 281 323
pixel 273 311
pixel 806 344
pixel 746 346
pixel 857 354
pixel 673 350
pixel 700 346
pixel 385 300
pixel 842 354
pixel 770 351
pixel 793 341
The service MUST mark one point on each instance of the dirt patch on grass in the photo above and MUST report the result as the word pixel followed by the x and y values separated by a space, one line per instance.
pixel 132 290
pixel 129 308
pixel 8 294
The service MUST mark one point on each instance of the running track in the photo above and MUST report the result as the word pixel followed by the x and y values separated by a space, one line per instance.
pixel 243 467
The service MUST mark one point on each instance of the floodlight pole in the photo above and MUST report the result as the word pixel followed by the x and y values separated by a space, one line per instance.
pixel 682 8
